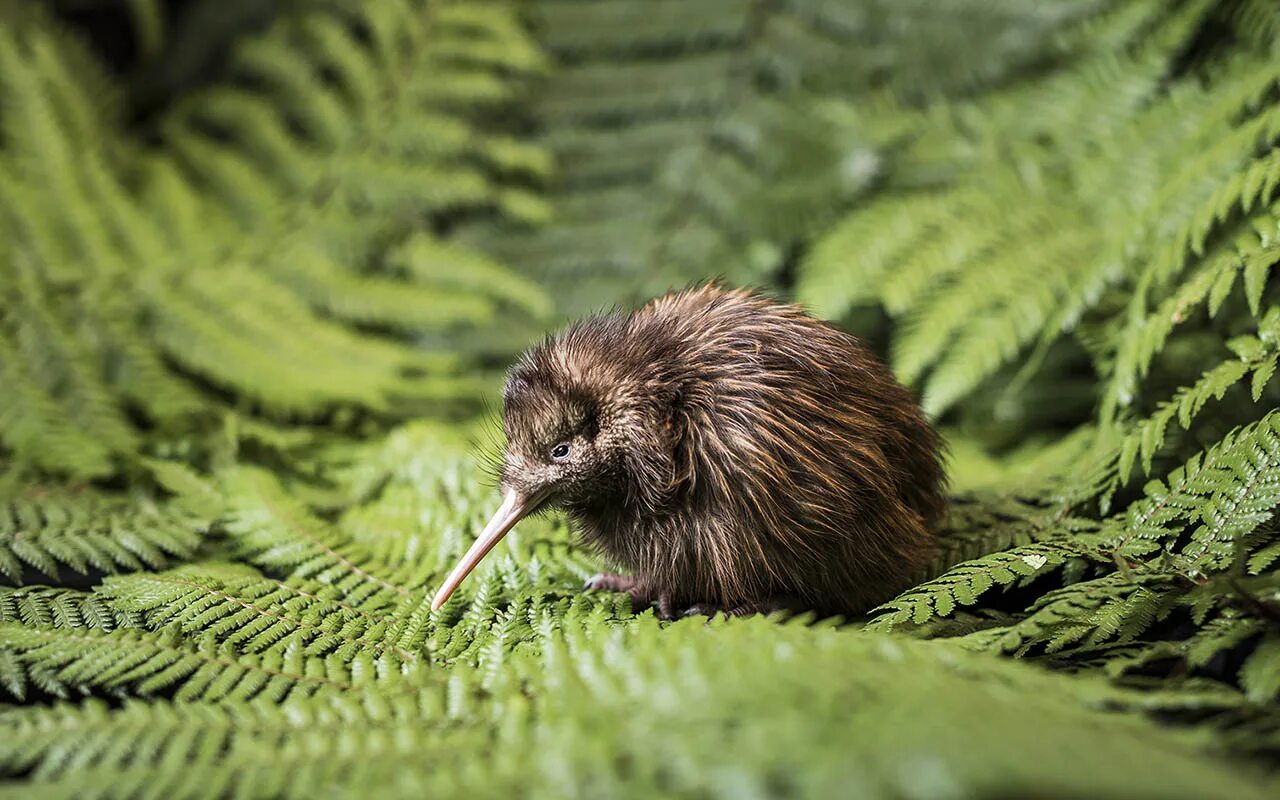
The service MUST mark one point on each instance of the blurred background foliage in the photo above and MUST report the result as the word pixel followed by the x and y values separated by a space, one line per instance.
pixel 262 265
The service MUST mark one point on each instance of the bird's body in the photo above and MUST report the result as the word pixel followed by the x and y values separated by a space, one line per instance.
pixel 727 452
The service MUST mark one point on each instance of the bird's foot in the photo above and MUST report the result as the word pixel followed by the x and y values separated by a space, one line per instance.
pixel 641 597
pixel 736 610
pixel 610 582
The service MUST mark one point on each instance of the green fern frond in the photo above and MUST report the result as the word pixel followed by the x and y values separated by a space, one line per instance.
pixel 1260 673
pixel 1226 490
pixel 964 583
pixel 1056 266
pixel 1089 613
pixel 1240 490
pixel 239 328
pixel 1219 635
pixel 1256 358
pixel 271 529
pixel 84 530
pixel 1253 252
pixel 218 302
pixel 851 263
pixel 248 247
pixel 253 614
pixel 1188 402
pixel 376 299
pixel 33 425
pixel 46 607
pixel 696 160
pixel 577 689
pixel 60 660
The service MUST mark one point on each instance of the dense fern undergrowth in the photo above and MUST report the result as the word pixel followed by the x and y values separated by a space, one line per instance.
pixel 249 324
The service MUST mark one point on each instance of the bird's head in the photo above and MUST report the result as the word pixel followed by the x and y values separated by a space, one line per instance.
pixel 585 429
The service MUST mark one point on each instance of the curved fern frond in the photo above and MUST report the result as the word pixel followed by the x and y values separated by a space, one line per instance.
pixel 964 583
pixel 1256 359
pixel 253 614
pixel 270 528
pixel 249 246
pixel 60 660
pixel 1115 607
pixel 217 301
pixel 570 683
pixel 47 607
pixel 710 137
pixel 45 529
pixel 1023 240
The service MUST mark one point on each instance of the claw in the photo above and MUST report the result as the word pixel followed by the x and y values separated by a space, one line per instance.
pixel 741 610
pixel 702 610
pixel 610 582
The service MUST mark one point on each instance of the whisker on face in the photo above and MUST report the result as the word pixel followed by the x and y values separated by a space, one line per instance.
pixel 488 445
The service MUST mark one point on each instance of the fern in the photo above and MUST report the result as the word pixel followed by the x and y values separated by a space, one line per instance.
pixel 45 607
pixel 714 136
pixel 1146 234
pixel 1086 614
pixel 1255 359
pixel 223 296
pixel 45 529
pixel 253 614
pixel 255 248
pixel 1042 279
pixel 1260 675
pixel 1241 494
pixel 578 688
pixel 964 583
pixel 144 663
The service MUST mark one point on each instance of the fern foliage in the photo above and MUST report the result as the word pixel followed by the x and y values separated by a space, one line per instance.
pixel 595 724
pixel 1061 228
pixel 46 530
pixel 275 244
pixel 1113 218
pixel 712 137
pixel 327 670
pixel 224 296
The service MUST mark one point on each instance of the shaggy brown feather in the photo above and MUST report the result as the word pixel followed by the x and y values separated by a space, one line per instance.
pixel 729 452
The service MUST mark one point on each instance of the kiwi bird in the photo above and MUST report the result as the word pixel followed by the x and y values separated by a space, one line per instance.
pixel 725 453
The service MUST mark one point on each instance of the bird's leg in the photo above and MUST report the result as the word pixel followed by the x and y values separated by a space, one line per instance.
pixel 610 582
pixel 642 596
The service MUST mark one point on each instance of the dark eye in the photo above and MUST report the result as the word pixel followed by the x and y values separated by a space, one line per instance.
pixel 559 452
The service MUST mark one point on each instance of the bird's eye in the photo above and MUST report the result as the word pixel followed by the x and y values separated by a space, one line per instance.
pixel 560 451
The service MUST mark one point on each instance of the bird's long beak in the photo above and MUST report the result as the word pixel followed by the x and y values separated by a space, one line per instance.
pixel 515 507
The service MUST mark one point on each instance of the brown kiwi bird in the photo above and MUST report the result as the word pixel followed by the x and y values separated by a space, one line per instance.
pixel 729 453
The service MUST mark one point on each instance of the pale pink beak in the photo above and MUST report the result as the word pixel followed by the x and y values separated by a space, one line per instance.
pixel 514 508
